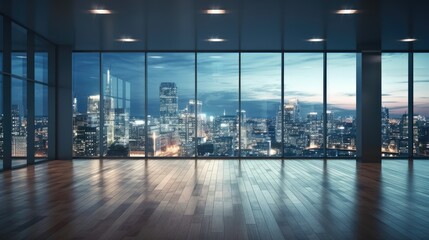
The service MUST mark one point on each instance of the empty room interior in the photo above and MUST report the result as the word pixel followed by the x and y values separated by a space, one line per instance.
pixel 214 119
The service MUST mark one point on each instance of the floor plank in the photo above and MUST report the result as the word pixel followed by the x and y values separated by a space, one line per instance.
pixel 216 199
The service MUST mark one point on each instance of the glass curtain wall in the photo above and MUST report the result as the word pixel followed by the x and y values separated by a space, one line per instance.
pixel 41 118
pixel 217 104
pixel 171 107
pixel 86 105
pixel 1 91
pixel 303 105
pixel 1 122
pixel 341 105
pixel 205 104
pixel 261 86
pixel 394 113
pixel 421 105
pixel 19 95
pixel 124 127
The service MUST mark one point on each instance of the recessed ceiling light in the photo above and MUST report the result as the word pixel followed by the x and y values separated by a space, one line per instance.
pixel 155 57
pixel 215 39
pixel 346 11
pixel 408 40
pixel 100 11
pixel 127 39
pixel 315 40
pixel 21 56
pixel 216 57
pixel 215 11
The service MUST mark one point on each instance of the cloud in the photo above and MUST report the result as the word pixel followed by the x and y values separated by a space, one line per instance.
pixel 299 93
pixel 421 81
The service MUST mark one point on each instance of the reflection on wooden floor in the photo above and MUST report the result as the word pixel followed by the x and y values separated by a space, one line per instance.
pixel 216 199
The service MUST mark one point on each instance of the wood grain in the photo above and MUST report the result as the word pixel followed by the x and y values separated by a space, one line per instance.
pixel 216 199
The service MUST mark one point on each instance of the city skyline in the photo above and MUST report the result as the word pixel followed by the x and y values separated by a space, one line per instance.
pixel 224 85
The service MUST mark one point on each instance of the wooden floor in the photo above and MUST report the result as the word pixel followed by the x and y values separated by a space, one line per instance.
pixel 216 199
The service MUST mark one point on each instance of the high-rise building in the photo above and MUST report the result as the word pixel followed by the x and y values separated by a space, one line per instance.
pixel 16 120
pixel 169 105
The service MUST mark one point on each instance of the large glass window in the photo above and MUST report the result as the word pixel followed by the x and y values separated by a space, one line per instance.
pixel 124 104
pixel 421 105
pixel 86 105
pixel 1 46
pixel 41 121
pixel 19 120
pixel 41 55
pixel 303 105
pixel 1 122
pixel 41 70
pixel 171 107
pixel 260 101
pixel 218 109
pixel 19 51
pixel 341 104
pixel 394 113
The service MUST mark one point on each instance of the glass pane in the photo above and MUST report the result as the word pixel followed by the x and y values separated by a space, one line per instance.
pixel 19 51
pixel 41 60
pixel 421 105
pixel 124 103
pixel 303 95
pixel 1 122
pixel 341 105
pixel 218 96
pixel 260 101
pixel 1 50
pixel 86 103
pixel 394 115
pixel 19 118
pixel 41 121
pixel 171 94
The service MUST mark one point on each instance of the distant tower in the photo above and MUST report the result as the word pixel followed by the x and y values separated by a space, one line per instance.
pixel 169 107
pixel 74 105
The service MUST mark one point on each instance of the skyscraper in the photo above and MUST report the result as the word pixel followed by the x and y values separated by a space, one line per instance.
pixel 169 107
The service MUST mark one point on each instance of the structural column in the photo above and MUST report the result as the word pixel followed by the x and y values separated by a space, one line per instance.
pixel 368 97
pixel 368 89
pixel 64 103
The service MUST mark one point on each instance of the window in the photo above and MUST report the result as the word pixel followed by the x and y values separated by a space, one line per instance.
pixel 260 101
pixel 41 55
pixel 394 114
pixel 341 104
pixel 19 51
pixel 41 118
pixel 421 105
pixel 41 121
pixel 218 109
pixel 124 104
pixel 19 120
pixel 303 105
pixel 1 122
pixel 1 46
pixel 86 105
pixel 171 106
